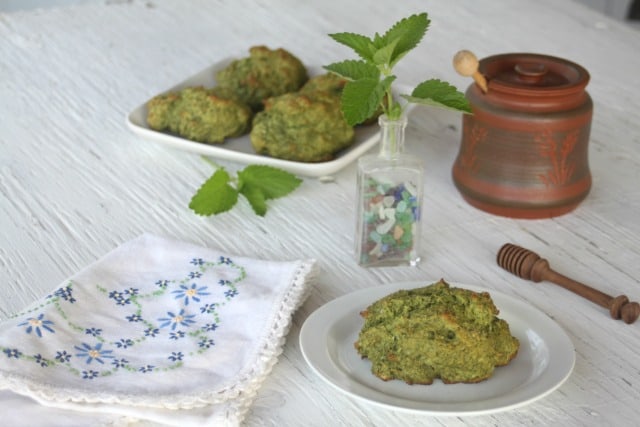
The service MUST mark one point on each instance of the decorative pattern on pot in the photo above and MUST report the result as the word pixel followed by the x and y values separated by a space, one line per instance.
pixel 557 149
pixel 468 156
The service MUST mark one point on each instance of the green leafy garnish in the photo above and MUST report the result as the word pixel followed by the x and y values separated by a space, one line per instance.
pixel 261 183
pixel 215 195
pixel 257 183
pixel 370 78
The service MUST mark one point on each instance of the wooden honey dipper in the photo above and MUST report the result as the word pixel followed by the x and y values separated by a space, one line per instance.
pixel 528 265
pixel 466 64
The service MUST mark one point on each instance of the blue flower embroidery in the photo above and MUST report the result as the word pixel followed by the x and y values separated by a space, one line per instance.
pixel 120 363
pixel 37 324
pixel 99 349
pixel 175 320
pixel 208 308
pixel 151 332
pixel 176 335
pixel 210 327
pixel 63 356
pixel 206 343
pixel 65 293
pixel 134 318
pixel 12 352
pixel 190 293
pixel 119 297
pixel 225 260
pixel 175 356
pixel 89 375
pixel 162 284
pixel 93 353
pixel 124 343
pixel 93 331
pixel 41 360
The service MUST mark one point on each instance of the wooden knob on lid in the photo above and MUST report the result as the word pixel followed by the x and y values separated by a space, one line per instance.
pixel 466 64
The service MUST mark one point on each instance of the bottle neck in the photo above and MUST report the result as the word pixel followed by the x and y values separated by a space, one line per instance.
pixel 391 136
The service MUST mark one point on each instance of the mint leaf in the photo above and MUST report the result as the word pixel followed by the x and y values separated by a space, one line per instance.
pixel 259 182
pixel 361 98
pixel 408 33
pixel 354 70
pixel 362 45
pixel 271 182
pixel 256 199
pixel 215 195
pixel 383 56
pixel 441 94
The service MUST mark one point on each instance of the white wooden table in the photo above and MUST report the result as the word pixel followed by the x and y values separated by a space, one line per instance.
pixel 75 182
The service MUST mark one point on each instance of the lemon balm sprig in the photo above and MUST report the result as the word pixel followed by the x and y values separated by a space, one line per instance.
pixel 370 78
pixel 257 183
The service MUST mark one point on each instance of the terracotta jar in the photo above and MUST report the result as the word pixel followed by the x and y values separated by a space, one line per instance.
pixel 524 151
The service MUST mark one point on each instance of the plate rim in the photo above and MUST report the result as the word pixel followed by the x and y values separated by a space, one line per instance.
pixel 134 121
pixel 436 409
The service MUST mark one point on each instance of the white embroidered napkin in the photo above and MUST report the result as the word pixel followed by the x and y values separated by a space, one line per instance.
pixel 156 330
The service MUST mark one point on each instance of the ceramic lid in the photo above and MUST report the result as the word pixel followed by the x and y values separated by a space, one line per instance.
pixel 529 72
pixel 530 82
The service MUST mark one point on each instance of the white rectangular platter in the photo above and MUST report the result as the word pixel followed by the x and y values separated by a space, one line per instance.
pixel 239 149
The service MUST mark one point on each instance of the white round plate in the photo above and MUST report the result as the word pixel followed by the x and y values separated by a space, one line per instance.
pixel 544 361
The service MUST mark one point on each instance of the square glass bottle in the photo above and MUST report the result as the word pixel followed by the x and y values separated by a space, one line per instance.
pixel 389 201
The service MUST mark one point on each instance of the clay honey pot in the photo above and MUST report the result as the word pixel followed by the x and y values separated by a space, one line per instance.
pixel 524 150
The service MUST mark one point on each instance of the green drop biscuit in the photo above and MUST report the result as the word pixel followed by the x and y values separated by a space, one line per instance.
pixel 302 127
pixel 436 331
pixel 263 74
pixel 199 114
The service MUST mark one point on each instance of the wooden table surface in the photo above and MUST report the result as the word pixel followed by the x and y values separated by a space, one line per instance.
pixel 75 182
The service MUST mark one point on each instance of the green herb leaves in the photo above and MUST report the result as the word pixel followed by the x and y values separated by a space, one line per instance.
pixel 215 195
pixel 441 94
pixel 362 98
pixel 258 183
pixel 261 183
pixel 389 48
pixel 370 78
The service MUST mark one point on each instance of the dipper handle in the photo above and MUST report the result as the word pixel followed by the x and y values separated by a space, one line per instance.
pixel 528 265
pixel 466 64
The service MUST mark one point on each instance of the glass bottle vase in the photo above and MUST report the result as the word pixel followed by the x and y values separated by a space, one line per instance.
pixel 389 201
